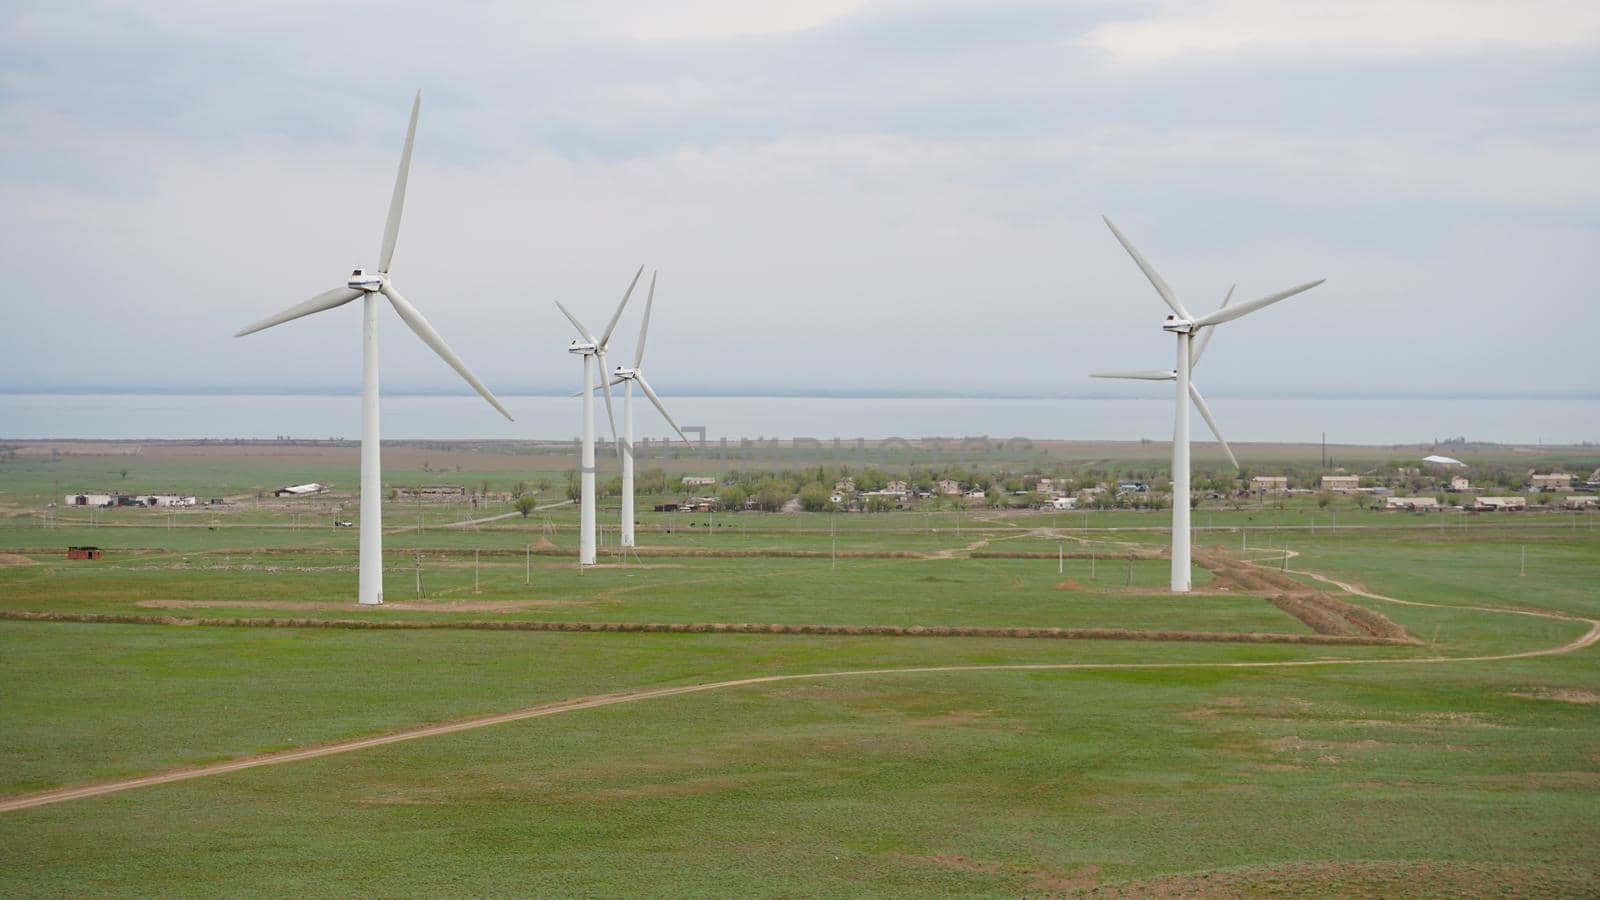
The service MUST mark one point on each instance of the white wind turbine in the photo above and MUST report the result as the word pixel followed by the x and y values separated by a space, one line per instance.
pixel 1186 327
pixel 626 377
pixel 591 347
pixel 368 284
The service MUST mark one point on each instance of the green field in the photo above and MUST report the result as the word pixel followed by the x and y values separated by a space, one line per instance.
pixel 1458 764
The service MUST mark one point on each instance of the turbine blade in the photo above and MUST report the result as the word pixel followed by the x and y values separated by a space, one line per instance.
pixel 1156 280
pixel 322 301
pixel 1205 413
pixel 645 386
pixel 1233 312
pixel 1146 375
pixel 596 387
pixel 605 383
pixel 391 227
pixel 612 325
pixel 644 325
pixel 1205 333
pixel 583 332
pixel 430 337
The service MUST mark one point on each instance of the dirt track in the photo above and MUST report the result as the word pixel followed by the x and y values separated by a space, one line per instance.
pixel 61 795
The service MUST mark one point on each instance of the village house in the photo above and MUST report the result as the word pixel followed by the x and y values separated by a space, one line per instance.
pixel 699 480
pixel 1459 483
pixel 949 486
pixel 1060 503
pixel 1500 503
pixel 845 485
pixel 898 487
pixel 1341 484
pixel 1555 481
pixel 1411 503
pixel 1580 501
pixel 1270 484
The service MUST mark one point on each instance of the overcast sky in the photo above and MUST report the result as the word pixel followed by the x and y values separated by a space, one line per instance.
pixel 840 194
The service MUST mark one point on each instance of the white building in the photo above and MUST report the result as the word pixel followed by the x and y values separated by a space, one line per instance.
pixel 1270 484
pixel 1555 481
pixel 1411 503
pixel 698 480
pixel 1341 484
pixel 167 500
pixel 90 499
pixel 1500 503
pixel 1064 503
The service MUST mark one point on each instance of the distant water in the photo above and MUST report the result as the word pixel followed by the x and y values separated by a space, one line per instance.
pixel 1252 418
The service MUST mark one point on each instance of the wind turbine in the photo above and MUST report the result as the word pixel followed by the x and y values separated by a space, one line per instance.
pixel 591 347
pixel 1186 327
pixel 626 377
pixel 368 284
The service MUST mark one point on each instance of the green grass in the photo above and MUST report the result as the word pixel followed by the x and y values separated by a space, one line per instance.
pixel 1400 777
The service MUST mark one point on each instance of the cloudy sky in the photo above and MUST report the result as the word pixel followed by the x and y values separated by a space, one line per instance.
pixel 858 195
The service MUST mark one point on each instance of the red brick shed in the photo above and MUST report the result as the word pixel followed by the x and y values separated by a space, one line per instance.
pixel 83 553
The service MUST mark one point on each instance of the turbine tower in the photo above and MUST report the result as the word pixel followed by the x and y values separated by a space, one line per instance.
pixel 593 348
pixel 626 377
pixel 368 285
pixel 1186 327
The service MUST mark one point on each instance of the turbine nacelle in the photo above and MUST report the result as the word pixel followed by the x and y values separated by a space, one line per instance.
pixel 1178 325
pixel 371 282
pixel 623 373
pixel 585 348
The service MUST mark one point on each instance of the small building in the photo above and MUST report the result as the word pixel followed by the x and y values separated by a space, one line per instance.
pixel 167 500
pixel 1415 504
pixel 83 553
pixel 300 490
pixel 1132 487
pixel 431 493
pixel 1483 504
pixel 1580 501
pixel 949 486
pixel 91 499
pixel 1459 483
pixel 699 480
pixel 1341 484
pixel 898 487
pixel 1270 484
pixel 845 485
pixel 1555 481
pixel 1060 503
pixel 1443 462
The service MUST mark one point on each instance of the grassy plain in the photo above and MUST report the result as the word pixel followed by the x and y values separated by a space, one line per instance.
pixel 1152 767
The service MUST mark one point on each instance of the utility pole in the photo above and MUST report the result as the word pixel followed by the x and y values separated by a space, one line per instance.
pixel 527 564
pixel 1523 571
pixel 1061 559
pixel 419 574
pixel 475 589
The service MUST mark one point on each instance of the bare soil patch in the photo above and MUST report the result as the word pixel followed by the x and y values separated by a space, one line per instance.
pixel 1564 695
pixel 14 559
pixel 1039 878
pixel 1364 879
